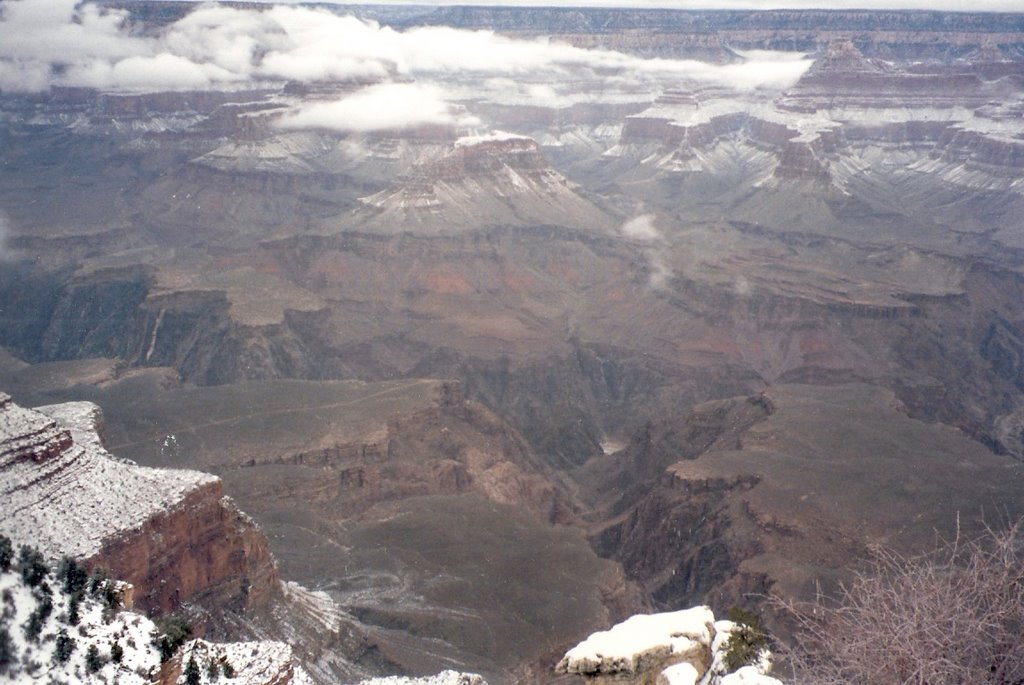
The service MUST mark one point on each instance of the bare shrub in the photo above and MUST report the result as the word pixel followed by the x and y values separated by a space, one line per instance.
pixel 954 616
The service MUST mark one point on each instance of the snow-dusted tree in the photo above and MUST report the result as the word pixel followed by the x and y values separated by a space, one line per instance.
pixel 213 670
pixel 192 676
pixel 93 660
pixel 32 565
pixel 6 553
pixel 948 617
pixel 72 575
pixel 63 647
pixel 8 652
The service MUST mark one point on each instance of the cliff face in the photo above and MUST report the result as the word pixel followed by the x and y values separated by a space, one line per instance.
pixel 201 550
pixel 794 496
pixel 172 534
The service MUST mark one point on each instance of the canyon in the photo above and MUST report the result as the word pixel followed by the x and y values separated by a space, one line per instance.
pixel 664 308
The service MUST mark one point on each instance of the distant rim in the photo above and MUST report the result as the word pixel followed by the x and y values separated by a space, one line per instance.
pixel 960 6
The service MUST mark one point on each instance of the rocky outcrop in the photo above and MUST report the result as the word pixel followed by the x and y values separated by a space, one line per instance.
pixel 171 534
pixel 676 648
pixel 494 180
pixel 248 663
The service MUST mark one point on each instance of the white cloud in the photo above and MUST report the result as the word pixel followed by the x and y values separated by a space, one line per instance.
pixel 382 107
pixel 161 72
pixel 46 42
pixel 641 228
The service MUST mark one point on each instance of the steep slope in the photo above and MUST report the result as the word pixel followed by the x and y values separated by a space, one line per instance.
pixel 172 535
pixel 491 180
pixel 794 498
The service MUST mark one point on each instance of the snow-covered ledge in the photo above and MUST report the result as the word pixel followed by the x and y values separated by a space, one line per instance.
pixel 681 647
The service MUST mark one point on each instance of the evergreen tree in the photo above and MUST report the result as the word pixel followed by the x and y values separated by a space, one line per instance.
pixel 192 672
pixel 73 605
pixel 93 660
pixel 213 670
pixel 72 575
pixel 111 600
pixel 746 641
pixel 116 652
pixel 37 619
pixel 174 630
pixel 97 580
pixel 6 553
pixel 33 566
pixel 65 645
pixel 8 652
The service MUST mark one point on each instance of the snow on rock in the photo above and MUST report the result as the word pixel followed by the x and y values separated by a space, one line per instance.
pixel 642 641
pixel 241 663
pixel 681 648
pixel 680 674
pixel 748 675
pixel 493 137
pixel 61 490
pixel 443 678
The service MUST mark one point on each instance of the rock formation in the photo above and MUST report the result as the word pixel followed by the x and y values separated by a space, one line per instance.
pixel 492 180
pixel 171 534
pixel 779 504
pixel 676 648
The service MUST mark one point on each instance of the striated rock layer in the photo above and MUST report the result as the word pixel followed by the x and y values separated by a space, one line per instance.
pixel 171 534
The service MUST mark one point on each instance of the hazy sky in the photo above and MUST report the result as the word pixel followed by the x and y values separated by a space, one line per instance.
pixel 952 5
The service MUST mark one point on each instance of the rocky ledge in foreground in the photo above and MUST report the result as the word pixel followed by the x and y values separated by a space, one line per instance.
pixel 675 648
pixel 171 534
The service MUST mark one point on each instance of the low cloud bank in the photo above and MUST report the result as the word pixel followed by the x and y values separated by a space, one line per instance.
pixel 381 107
pixel 415 74
pixel 55 42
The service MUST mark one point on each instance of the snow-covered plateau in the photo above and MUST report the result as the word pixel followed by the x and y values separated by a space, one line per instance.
pixel 63 491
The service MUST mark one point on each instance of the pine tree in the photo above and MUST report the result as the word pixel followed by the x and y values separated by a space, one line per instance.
pixel 111 600
pixel 73 608
pixel 116 652
pixel 213 670
pixel 6 553
pixel 8 652
pixel 93 660
pixel 97 581
pixel 72 575
pixel 37 619
pixel 192 676
pixel 33 566
pixel 65 645
pixel 174 630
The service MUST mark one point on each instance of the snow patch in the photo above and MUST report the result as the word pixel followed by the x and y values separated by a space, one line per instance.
pixel 492 137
